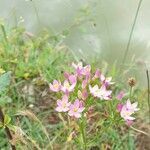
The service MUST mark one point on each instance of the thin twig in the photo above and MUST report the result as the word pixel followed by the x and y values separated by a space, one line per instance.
pixel 140 131
pixel 8 133
pixel 131 32
pixel 36 12
pixel 148 96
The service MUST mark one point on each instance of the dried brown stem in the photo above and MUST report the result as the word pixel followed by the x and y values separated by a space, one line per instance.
pixel 8 133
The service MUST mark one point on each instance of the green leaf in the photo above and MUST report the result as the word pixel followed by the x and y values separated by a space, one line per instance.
pixel 4 81
pixel 1 124
pixel 7 119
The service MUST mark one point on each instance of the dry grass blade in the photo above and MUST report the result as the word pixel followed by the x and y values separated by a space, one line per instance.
pixel 140 131
pixel 32 116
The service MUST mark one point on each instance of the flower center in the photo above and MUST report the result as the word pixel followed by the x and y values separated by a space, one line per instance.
pixel 56 86
pixel 75 109
pixel 127 113
pixel 64 105
pixel 67 85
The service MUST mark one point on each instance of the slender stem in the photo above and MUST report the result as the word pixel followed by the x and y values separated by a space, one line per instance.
pixel 70 129
pixel 36 12
pixel 131 32
pixel 83 133
pixel 130 93
pixel 130 96
pixel 8 133
pixel 148 96
pixel 129 139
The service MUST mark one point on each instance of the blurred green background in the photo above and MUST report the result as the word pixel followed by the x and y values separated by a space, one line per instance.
pixel 90 28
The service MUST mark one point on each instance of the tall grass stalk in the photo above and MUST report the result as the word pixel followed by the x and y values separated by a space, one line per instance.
pixel 131 32
pixel 148 96
pixel 82 128
pixel 4 34
pixel 36 13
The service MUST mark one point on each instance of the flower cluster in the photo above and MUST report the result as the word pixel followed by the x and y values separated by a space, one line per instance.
pixel 83 85
pixel 78 87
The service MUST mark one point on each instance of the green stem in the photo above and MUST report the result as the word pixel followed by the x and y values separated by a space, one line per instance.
pixel 129 147
pixel 130 93
pixel 82 128
pixel 148 96
pixel 131 32
pixel 70 129
pixel 130 96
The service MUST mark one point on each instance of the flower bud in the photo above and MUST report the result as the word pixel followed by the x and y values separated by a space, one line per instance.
pixel 131 82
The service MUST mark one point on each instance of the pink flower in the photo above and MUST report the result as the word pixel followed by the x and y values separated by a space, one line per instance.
pixel 56 86
pixel 83 95
pixel 76 109
pixel 119 107
pixel 84 83
pixel 120 95
pixel 128 109
pixel 94 90
pixel 68 87
pixel 129 122
pixel 86 70
pixel 104 93
pixel 101 93
pixel 97 74
pixel 106 81
pixel 72 79
pixel 132 107
pixel 63 105
pixel 80 70
pixel 66 75
pixel 78 67
pixel 126 114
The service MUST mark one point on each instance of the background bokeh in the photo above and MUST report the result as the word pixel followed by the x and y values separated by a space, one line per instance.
pixel 91 29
